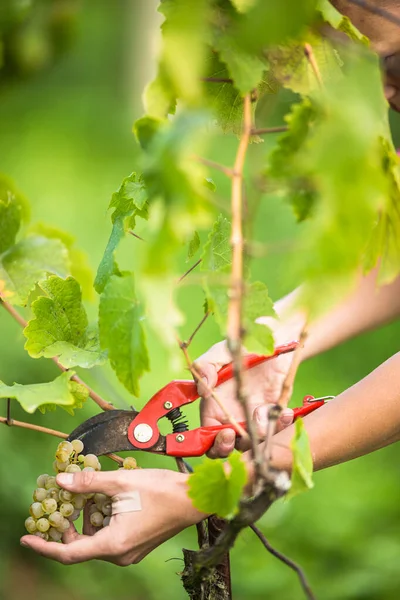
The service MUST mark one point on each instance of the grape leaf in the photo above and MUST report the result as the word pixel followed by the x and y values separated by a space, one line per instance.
pixel 10 220
pixel 216 490
pixel 243 5
pixel 302 461
pixel 159 96
pixel 60 327
pixel 129 202
pixel 121 331
pixel 60 392
pixel 244 68
pixel 217 252
pixel 80 393
pixel 22 266
pixel 298 188
pixel 194 245
pixel 79 265
pixel 340 22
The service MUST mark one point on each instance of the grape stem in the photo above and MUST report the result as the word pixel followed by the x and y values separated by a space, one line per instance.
pixel 310 56
pixel 103 404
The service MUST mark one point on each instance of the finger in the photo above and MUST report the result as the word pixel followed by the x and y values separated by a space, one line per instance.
pixel 85 482
pixel 224 444
pixel 81 550
pixel 260 417
pixel 209 374
pixel 286 418
pixel 71 535
pixel 88 528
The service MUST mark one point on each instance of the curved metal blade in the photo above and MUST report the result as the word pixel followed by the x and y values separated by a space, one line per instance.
pixel 108 432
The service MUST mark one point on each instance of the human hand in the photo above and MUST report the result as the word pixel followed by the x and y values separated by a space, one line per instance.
pixel 166 510
pixel 262 385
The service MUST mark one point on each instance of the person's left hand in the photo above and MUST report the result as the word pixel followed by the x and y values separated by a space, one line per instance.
pixel 166 510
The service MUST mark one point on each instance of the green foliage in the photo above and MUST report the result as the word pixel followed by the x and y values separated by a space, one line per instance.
pixel 60 392
pixel 121 331
pixel 340 22
pixel 216 486
pixel 60 328
pixel 194 246
pixel 129 202
pixel 217 252
pixel 302 461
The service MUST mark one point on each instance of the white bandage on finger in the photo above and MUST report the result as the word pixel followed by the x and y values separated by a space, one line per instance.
pixel 126 502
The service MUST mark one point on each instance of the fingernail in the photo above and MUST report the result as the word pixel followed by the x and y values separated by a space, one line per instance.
pixel 286 416
pixel 226 438
pixel 65 478
pixel 24 544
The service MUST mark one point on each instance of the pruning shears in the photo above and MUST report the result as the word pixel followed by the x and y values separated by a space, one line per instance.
pixel 120 430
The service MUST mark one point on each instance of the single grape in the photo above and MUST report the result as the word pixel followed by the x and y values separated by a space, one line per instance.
pixel 100 499
pixel 50 483
pixel 77 446
pixel 43 525
pixel 75 515
pixel 96 519
pixel 89 496
pixel 40 494
pixel 49 505
pixel 42 535
pixel 54 534
pixel 129 463
pixel 66 496
pixel 54 493
pixel 91 460
pixel 64 526
pixel 106 521
pixel 56 518
pixel 73 469
pixel 41 480
pixel 106 509
pixel 88 469
pixel 66 509
pixel 79 501
pixel 60 466
pixel 92 509
pixel 81 458
pixel 30 525
pixel 36 510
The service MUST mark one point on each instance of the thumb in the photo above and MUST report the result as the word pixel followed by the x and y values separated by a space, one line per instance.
pixel 86 482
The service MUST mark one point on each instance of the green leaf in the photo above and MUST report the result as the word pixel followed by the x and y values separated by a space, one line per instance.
pixel 121 331
pixel 244 68
pixel 160 96
pixel 61 326
pixel 129 202
pixel 257 303
pixel 60 392
pixel 27 263
pixel 194 245
pixel 80 393
pixel 298 188
pixel 302 461
pixel 340 22
pixel 243 5
pixel 217 252
pixel 13 210
pixel 216 490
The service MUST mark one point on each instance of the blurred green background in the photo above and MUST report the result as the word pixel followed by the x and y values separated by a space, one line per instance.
pixel 66 141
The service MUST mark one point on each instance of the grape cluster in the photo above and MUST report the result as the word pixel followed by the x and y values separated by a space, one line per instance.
pixel 53 509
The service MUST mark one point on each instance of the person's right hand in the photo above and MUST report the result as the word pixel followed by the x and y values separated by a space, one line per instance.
pixel 263 385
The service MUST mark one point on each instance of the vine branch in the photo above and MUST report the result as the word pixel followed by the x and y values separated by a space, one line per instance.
pixel 287 561
pixel 263 130
pixel 214 165
pixel 308 51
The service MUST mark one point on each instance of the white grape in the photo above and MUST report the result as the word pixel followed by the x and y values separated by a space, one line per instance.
pixel 79 501
pixel 66 509
pixel 89 496
pixel 106 521
pixel 60 466
pixel 54 493
pixel 73 469
pixel 54 534
pixel 96 519
pixel 75 515
pixel 91 460
pixel 56 518
pixel 77 446
pixel 100 498
pixel 40 494
pixel 30 525
pixel 42 535
pixel 88 469
pixel 50 483
pixel 106 509
pixel 66 496
pixel 64 526
pixel 36 510
pixel 92 509
pixel 41 480
pixel 49 505
pixel 43 525
pixel 129 463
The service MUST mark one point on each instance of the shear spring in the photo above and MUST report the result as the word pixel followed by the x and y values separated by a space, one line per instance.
pixel 178 420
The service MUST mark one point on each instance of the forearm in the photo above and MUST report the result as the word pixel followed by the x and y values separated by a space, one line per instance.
pixel 368 307
pixel 362 419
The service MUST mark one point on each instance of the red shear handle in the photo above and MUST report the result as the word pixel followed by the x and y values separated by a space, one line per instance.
pixel 199 441
pixel 252 360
